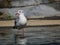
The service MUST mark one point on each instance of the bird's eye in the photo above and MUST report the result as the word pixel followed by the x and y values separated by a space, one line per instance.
pixel 19 11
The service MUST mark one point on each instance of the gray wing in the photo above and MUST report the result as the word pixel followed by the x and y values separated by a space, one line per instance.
pixel 17 22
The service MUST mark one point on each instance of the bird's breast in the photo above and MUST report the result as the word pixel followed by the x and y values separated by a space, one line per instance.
pixel 22 20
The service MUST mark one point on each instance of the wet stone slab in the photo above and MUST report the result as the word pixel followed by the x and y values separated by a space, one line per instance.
pixel 43 35
pixel 35 36
pixel 9 38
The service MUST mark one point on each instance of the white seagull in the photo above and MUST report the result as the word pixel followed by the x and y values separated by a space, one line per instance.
pixel 20 21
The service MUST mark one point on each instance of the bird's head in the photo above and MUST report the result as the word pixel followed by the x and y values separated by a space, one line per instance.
pixel 19 12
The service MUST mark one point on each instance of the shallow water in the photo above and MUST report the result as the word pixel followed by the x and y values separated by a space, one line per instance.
pixel 42 36
pixel 39 36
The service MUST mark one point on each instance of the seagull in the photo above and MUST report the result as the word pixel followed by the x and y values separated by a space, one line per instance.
pixel 20 21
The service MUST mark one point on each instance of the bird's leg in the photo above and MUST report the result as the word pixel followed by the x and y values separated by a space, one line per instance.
pixel 21 33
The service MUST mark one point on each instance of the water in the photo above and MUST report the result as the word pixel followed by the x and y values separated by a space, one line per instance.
pixel 39 36
pixel 46 44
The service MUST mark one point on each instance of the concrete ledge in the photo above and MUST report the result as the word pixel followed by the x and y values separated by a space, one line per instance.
pixel 43 22
pixel 11 23
pixel 7 23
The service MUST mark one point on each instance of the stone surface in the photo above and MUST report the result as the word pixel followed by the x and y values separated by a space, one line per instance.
pixel 34 35
pixel 42 35
pixel 49 9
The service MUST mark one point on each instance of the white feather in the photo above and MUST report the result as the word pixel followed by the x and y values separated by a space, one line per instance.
pixel 21 19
